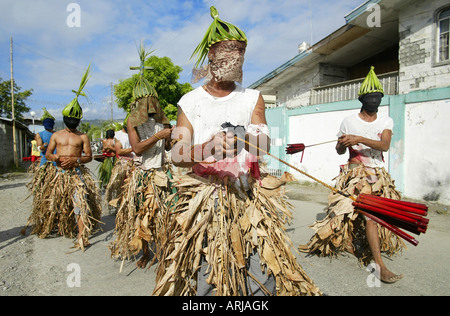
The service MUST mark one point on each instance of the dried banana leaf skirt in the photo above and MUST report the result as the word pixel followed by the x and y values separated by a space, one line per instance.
pixel 55 194
pixel 117 180
pixel 142 213
pixel 344 226
pixel 217 224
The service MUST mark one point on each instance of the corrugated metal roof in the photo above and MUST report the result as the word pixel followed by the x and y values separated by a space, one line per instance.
pixel 18 125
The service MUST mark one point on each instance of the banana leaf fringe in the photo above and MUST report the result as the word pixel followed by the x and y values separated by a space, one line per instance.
pixel 223 224
pixel 117 180
pixel 55 193
pixel 142 213
pixel 343 226
pixel 34 166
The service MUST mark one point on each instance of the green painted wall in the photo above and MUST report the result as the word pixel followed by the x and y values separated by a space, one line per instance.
pixel 278 118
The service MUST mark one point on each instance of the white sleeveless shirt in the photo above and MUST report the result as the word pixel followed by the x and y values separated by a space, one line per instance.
pixel 153 157
pixel 206 115
pixel 123 138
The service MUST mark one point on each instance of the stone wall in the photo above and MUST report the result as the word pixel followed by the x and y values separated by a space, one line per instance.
pixel 419 69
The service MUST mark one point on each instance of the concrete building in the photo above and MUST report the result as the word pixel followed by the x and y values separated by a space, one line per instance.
pixel 407 41
pixel 23 138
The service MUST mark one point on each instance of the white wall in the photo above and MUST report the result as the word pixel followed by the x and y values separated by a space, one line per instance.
pixel 320 161
pixel 427 153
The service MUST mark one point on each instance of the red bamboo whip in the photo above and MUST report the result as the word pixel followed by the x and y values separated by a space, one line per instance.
pixel 397 223
pixel 387 212
pixel 300 147
pixel 394 213
pixel 415 208
pixel 391 207
pixel 296 148
pixel 392 228
pixel 412 225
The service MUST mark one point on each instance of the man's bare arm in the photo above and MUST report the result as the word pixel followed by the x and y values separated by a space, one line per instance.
pixel 51 148
pixel 351 140
pixel 86 149
pixel 39 142
pixel 258 117
pixel 139 146
pixel 181 151
pixel 120 150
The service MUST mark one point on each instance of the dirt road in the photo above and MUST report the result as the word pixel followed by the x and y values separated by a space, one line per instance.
pixel 50 267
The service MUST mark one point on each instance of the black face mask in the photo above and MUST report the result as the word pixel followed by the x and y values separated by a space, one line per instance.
pixel 71 123
pixel 371 101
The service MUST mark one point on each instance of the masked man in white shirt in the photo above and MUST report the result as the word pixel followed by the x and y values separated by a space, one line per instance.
pixel 228 235
pixel 367 136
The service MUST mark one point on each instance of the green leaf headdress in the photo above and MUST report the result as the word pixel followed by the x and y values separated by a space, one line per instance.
pixel 47 115
pixel 218 31
pixel 143 88
pixel 73 109
pixel 145 97
pixel 371 84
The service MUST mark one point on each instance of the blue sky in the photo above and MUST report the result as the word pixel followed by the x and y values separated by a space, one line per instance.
pixel 50 57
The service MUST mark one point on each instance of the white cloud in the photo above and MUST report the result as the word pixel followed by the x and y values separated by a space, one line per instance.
pixel 50 57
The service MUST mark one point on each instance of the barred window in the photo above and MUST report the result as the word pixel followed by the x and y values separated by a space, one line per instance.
pixel 444 30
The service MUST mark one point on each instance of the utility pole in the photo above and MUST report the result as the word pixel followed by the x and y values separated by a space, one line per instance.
pixel 112 120
pixel 16 161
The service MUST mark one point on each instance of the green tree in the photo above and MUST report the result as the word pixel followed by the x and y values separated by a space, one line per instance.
pixel 19 100
pixel 95 132
pixel 164 78
pixel 85 127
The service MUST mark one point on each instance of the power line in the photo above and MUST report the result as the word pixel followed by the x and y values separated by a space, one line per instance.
pixel 49 58
pixel 108 74
pixel 45 102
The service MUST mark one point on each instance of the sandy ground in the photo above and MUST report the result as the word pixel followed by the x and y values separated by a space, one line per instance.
pixel 50 267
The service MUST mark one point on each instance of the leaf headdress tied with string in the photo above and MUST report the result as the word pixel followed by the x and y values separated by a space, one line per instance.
pixel 218 31
pixel 73 109
pixel 143 88
pixel 371 84
pixel 145 97
pixel 47 115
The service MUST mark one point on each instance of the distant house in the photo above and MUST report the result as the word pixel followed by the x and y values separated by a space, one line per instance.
pixel 408 44
pixel 23 138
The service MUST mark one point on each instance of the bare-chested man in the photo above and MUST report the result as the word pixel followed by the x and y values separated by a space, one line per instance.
pixel 108 142
pixel 68 187
pixel 70 145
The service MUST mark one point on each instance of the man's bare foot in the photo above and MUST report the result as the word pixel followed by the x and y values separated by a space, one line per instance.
pixel 388 277
pixel 81 243
pixel 142 263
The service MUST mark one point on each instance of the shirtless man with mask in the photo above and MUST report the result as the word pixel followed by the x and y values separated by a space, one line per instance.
pixel 73 149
